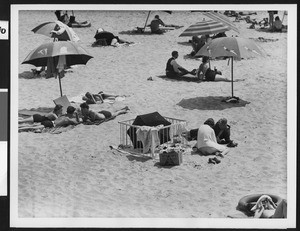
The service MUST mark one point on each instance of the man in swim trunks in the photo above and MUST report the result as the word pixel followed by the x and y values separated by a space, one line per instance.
pixel 173 69
pixel 92 116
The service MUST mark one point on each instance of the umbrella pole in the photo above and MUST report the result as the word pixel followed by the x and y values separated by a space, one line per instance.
pixel 60 85
pixel 147 20
pixel 232 76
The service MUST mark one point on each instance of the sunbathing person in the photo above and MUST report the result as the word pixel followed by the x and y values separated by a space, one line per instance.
pixel 70 118
pixel 92 116
pixel 204 73
pixel 110 39
pixel 100 97
pixel 173 69
pixel 206 140
pixel 37 118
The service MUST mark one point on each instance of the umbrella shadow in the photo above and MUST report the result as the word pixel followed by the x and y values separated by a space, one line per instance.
pixel 210 103
pixel 185 43
pixel 135 32
pixel 182 78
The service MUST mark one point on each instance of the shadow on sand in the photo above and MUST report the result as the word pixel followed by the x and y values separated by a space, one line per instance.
pixel 209 103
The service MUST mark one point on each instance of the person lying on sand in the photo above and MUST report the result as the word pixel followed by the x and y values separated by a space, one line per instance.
pixel 204 73
pixel 207 142
pixel 92 116
pixel 173 69
pixel 70 118
pixel 100 97
pixel 37 118
pixel 110 38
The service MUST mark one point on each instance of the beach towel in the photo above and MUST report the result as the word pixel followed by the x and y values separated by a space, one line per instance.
pixel 149 137
pixel 53 130
pixel 97 122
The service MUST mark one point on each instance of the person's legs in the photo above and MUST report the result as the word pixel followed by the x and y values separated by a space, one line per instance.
pixel 26 120
pixel 120 111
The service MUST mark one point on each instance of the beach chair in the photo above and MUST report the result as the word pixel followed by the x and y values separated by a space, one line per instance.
pixel 64 101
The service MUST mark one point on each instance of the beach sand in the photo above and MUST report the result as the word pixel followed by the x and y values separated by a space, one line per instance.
pixel 75 174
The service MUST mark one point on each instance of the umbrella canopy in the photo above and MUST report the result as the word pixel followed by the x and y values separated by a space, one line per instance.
pixel 57 55
pixel 74 53
pixel 64 33
pixel 221 18
pixel 235 47
pixel 204 27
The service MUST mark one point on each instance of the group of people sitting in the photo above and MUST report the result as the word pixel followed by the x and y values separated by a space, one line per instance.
pixel 72 116
pixel 212 138
pixel 203 73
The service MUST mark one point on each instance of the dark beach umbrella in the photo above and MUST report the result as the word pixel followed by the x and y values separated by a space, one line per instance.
pixel 234 47
pixel 204 28
pixel 66 33
pixel 72 54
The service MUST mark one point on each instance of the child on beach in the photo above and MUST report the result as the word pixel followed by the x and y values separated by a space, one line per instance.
pixel 173 69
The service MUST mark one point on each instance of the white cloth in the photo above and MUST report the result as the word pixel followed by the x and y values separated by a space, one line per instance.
pixel 177 129
pixel 149 137
pixel 207 138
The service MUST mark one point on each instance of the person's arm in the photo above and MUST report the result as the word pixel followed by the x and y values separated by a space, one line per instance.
pixel 161 22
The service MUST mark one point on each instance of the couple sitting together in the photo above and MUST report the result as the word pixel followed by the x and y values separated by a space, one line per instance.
pixel 57 119
pixel 203 73
pixel 211 137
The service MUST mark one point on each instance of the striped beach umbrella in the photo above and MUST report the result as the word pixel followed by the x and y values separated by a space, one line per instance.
pixel 204 28
pixel 57 30
pixel 221 18
pixel 234 47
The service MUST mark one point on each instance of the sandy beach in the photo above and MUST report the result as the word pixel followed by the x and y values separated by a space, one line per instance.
pixel 74 174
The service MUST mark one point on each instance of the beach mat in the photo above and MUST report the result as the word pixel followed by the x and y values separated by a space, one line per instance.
pixel 54 130
pixel 182 78
pixel 32 111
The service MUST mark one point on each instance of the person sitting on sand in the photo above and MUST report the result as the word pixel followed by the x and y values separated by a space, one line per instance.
pixel 277 25
pixel 100 97
pixel 92 116
pixel 204 73
pixel 206 140
pixel 155 25
pixel 173 69
pixel 37 118
pixel 222 133
pixel 219 35
pixel 110 39
pixel 197 43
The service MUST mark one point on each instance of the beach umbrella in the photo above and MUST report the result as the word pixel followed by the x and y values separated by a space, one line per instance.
pixel 54 55
pixel 235 48
pixel 64 33
pixel 221 18
pixel 204 27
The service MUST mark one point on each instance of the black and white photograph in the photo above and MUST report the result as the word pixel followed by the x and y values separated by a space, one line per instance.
pixel 153 116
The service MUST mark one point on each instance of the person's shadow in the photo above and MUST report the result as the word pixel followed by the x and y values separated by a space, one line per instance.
pixel 210 103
